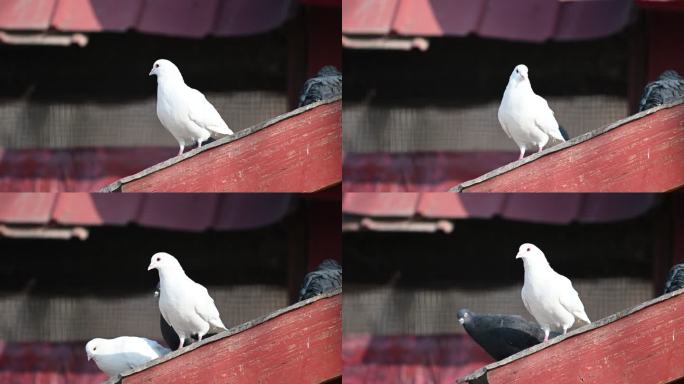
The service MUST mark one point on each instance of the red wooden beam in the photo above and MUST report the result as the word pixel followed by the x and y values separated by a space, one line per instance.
pixel 639 345
pixel 642 153
pixel 300 151
pixel 298 344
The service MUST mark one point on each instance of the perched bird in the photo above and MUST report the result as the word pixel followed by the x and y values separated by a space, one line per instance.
pixel 668 87
pixel 114 356
pixel 325 85
pixel 326 277
pixel 184 111
pixel 170 336
pixel 501 335
pixel 547 295
pixel 525 116
pixel 675 279
pixel 184 304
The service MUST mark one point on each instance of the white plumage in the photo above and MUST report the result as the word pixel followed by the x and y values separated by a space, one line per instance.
pixel 525 116
pixel 184 304
pixel 547 295
pixel 114 356
pixel 184 111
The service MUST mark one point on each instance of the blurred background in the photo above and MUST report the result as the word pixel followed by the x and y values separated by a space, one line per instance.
pixel 412 260
pixel 77 107
pixel 75 266
pixel 424 79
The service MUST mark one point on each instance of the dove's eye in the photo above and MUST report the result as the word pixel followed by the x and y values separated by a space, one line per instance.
pixel 528 249
pixel 95 349
pixel 159 258
pixel 156 65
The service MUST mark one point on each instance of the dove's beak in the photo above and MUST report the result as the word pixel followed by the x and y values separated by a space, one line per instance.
pixel 150 267
pixel 518 256
pixel 89 357
pixel 152 72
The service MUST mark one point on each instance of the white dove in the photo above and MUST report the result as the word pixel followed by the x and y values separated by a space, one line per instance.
pixel 548 296
pixel 114 356
pixel 184 111
pixel 184 304
pixel 525 116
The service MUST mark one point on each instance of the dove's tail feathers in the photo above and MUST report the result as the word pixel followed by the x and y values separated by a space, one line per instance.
pixel 582 316
pixel 217 325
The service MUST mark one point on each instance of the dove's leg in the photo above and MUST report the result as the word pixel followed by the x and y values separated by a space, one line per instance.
pixel 180 151
pixel 182 340
pixel 541 146
pixel 199 143
pixel 546 334
pixel 565 330
pixel 522 153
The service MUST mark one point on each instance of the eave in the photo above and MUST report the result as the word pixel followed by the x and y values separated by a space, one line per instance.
pixel 299 151
pixel 301 343
pixel 641 153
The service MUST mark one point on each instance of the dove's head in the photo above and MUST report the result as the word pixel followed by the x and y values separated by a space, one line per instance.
pixel 163 68
pixel 519 73
pixel 163 261
pixel 464 315
pixel 530 252
pixel 94 348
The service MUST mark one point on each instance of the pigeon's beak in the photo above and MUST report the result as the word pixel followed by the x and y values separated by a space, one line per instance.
pixel 518 256
pixel 89 356
pixel 152 72
pixel 150 267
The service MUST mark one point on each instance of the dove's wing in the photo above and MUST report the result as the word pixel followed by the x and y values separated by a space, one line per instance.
pixel 544 119
pixel 501 116
pixel 205 307
pixel 204 114
pixel 569 299
pixel 157 348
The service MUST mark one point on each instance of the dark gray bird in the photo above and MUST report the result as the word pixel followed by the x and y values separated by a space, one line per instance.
pixel 170 336
pixel 326 277
pixel 501 335
pixel 668 87
pixel 325 85
pixel 675 279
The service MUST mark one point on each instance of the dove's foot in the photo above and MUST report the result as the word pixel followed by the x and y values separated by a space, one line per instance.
pixel 546 335
pixel 180 151
pixel 522 153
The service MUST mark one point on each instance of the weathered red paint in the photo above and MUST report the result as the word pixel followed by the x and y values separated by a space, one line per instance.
pixel 642 155
pixel 302 153
pixel 303 345
pixel 643 347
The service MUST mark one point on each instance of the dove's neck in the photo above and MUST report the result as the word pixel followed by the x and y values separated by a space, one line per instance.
pixel 536 268
pixel 168 274
pixel 517 86
pixel 170 80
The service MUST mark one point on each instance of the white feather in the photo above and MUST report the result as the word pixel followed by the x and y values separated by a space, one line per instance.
pixel 114 356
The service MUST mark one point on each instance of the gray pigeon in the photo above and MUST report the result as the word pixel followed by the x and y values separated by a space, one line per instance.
pixel 668 87
pixel 185 305
pixel 325 85
pixel 326 277
pixel 675 279
pixel 501 335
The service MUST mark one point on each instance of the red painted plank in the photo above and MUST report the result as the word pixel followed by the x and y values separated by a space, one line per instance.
pixel 380 204
pixel 188 18
pixel 302 345
pixel 26 15
pixel 96 15
pixel 643 347
pixel 368 17
pixel 300 153
pixel 246 17
pixel 26 208
pixel 641 155
pixel 96 209
pixel 438 17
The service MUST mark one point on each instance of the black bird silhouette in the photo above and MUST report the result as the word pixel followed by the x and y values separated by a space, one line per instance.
pixel 325 85
pixel 501 335
pixel 668 87
pixel 326 277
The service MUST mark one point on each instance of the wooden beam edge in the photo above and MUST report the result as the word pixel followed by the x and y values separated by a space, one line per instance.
pixel 118 185
pixel 230 332
pixel 480 375
pixel 570 143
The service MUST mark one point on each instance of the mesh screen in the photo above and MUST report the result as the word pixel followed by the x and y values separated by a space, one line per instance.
pixel 56 124
pixel 64 318
pixel 384 309
pixel 406 128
